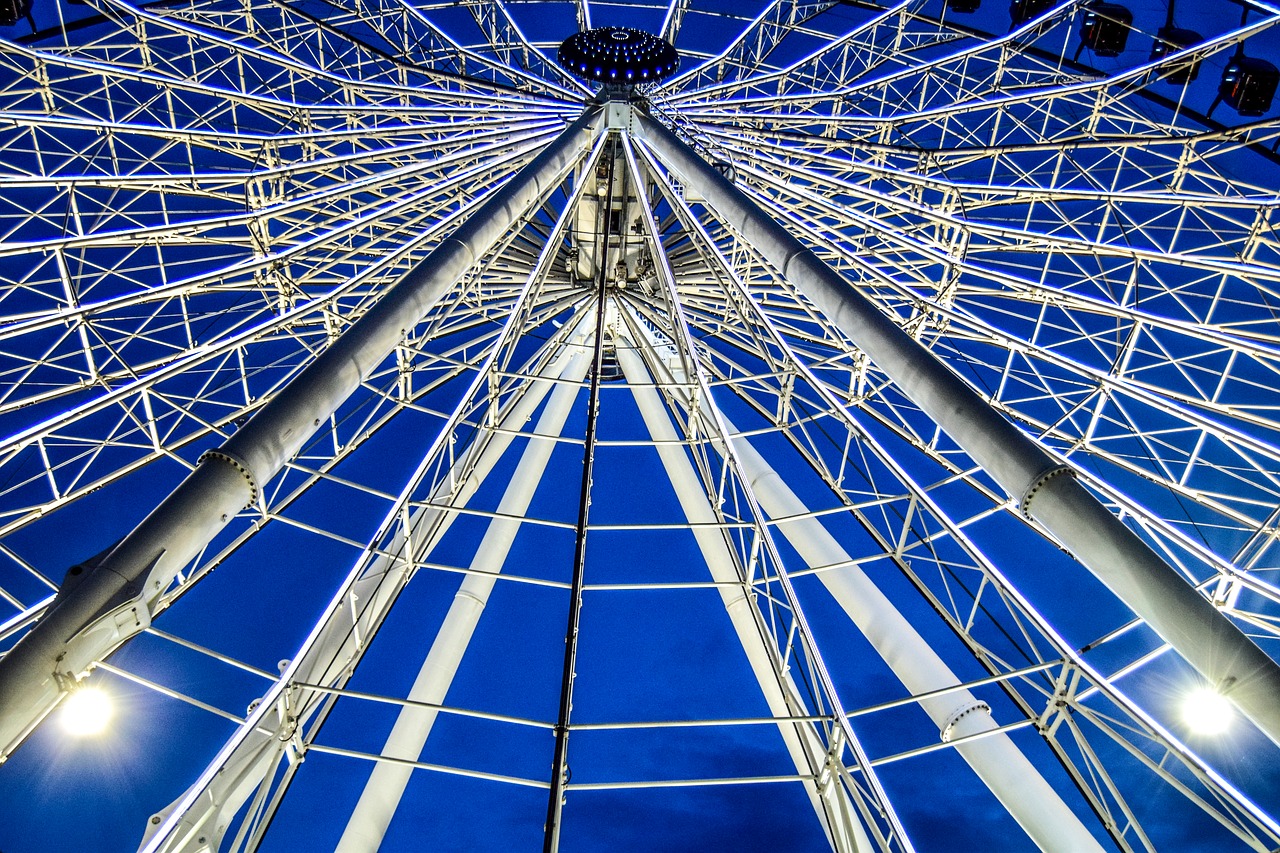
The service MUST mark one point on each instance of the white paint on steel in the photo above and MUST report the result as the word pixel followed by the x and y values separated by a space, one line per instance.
pixel 382 793
pixel 112 603
pixel 807 752
pixel 995 759
pixel 338 649
pixel 1205 637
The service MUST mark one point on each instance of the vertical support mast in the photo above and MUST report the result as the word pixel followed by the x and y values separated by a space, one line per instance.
pixel 104 604
pixel 1046 490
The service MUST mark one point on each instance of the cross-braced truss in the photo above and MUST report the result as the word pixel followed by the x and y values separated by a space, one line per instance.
pixel 610 530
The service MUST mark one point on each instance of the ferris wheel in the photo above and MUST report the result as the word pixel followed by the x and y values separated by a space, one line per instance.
pixel 785 424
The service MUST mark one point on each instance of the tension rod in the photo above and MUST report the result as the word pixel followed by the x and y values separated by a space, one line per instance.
pixel 559 762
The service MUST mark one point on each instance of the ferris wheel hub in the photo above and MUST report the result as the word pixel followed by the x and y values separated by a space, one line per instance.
pixel 618 56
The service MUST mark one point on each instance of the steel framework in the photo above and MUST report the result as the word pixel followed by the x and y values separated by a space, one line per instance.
pixel 864 439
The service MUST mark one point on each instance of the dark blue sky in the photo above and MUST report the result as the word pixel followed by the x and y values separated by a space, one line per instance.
pixel 655 642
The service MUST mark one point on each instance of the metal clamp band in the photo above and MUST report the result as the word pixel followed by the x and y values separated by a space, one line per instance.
pixel 1024 505
pixel 957 716
pixel 223 456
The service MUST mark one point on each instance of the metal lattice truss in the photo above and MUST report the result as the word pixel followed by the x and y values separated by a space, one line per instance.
pixel 786 578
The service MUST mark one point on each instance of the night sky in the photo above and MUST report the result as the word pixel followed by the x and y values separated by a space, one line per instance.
pixel 655 642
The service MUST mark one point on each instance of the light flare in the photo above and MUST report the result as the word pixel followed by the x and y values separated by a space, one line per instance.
pixel 86 712
pixel 1206 711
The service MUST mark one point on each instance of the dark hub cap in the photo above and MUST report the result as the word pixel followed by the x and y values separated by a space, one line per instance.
pixel 618 55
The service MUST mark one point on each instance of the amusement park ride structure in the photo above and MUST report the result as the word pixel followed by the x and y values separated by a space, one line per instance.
pixel 900 394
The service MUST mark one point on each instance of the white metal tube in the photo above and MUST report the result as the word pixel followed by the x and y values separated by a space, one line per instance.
pixel 387 781
pixel 997 761
pixel 806 751
pixel 330 660
pixel 92 616
pixel 1179 614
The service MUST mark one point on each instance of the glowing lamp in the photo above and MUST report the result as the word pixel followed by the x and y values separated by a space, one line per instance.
pixel 1206 711
pixel 86 712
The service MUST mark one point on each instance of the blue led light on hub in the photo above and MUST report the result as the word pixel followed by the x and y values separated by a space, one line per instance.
pixel 614 54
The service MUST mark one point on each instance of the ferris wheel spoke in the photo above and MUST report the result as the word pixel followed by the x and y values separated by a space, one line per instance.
pixel 219 208
pixel 279 194
pixel 959 149
pixel 1056 112
pixel 187 46
pixel 808 746
pixel 206 490
pixel 1137 175
pixel 1052 819
pixel 201 319
pixel 833 75
pixel 414 47
pixel 1073 329
pixel 725 197
pixel 1127 305
pixel 888 38
pixel 55 84
pixel 508 42
pixel 1087 108
pixel 414 37
pixel 1071 310
pixel 38 146
pixel 1233 443
pixel 410 534
pixel 671 21
pixel 808 749
pixel 984 241
pixel 314 60
pixel 828 74
pixel 752 46
pixel 962 593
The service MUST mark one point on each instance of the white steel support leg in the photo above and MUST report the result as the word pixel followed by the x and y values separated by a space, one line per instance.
pixel 344 634
pixel 997 761
pixel 110 601
pixel 962 726
pixel 330 661
pixel 382 793
pixel 839 817
pixel 1045 488
pixel 875 809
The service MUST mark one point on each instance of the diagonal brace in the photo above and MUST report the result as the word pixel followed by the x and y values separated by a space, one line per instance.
pixel 1045 488
pixel 110 599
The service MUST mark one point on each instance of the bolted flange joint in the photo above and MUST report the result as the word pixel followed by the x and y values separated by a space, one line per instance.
pixel 236 463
